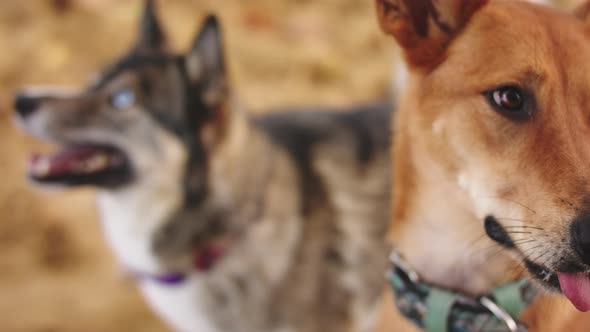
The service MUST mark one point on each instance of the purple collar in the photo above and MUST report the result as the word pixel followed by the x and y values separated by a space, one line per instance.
pixel 203 261
pixel 172 279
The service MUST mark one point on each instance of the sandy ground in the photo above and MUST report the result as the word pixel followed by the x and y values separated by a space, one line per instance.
pixel 57 275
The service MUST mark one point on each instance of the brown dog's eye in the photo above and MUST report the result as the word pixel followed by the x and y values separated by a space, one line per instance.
pixel 510 101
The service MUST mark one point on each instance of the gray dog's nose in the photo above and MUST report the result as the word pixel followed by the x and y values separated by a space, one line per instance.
pixel 25 105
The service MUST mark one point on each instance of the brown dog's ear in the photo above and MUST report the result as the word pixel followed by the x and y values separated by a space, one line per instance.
pixel 583 11
pixel 424 28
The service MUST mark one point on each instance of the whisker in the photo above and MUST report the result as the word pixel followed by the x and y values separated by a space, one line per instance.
pixel 531 248
pixel 525 253
pixel 538 256
pixel 496 253
pixel 524 242
pixel 550 258
pixel 511 219
pixel 487 248
pixel 472 243
pixel 512 201
pixel 524 226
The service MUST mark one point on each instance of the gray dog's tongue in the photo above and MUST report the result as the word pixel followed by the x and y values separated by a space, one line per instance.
pixel 78 160
pixel 576 287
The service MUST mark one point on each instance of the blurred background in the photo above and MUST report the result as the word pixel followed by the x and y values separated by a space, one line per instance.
pixel 56 272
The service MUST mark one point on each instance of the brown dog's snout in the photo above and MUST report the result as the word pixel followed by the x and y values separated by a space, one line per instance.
pixel 580 235
pixel 25 105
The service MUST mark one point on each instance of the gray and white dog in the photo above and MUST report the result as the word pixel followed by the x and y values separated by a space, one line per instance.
pixel 229 222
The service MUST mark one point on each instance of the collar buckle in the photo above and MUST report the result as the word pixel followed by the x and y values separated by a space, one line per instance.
pixel 499 313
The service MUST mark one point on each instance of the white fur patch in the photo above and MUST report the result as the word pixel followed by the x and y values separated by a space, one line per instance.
pixel 179 305
pixel 41 91
pixel 542 2
pixel 132 215
pixel 477 189
pixel 438 127
pixel 400 78
pixel 462 181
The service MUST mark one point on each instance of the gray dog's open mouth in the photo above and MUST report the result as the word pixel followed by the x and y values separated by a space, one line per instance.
pixel 82 164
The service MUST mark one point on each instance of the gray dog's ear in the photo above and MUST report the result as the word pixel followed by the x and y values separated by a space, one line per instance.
pixel 151 37
pixel 205 63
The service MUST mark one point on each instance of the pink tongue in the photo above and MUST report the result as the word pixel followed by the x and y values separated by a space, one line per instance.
pixel 66 160
pixel 576 287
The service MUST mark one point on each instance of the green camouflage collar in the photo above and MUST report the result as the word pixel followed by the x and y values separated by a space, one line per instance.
pixel 435 309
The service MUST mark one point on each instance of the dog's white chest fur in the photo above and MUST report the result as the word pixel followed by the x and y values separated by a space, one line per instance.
pixel 129 231
pixel 179 305
pixel 129 221
pixel 132 216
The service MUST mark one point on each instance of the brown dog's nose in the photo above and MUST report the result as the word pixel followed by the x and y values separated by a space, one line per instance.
pixel 26 105
pixel 580 234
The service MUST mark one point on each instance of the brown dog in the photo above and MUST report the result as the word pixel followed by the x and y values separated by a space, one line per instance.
pixel 492 156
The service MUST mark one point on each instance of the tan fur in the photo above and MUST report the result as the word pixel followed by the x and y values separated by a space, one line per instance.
pixel 457 160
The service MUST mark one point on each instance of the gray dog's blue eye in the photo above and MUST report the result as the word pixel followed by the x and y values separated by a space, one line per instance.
pixel 123 99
